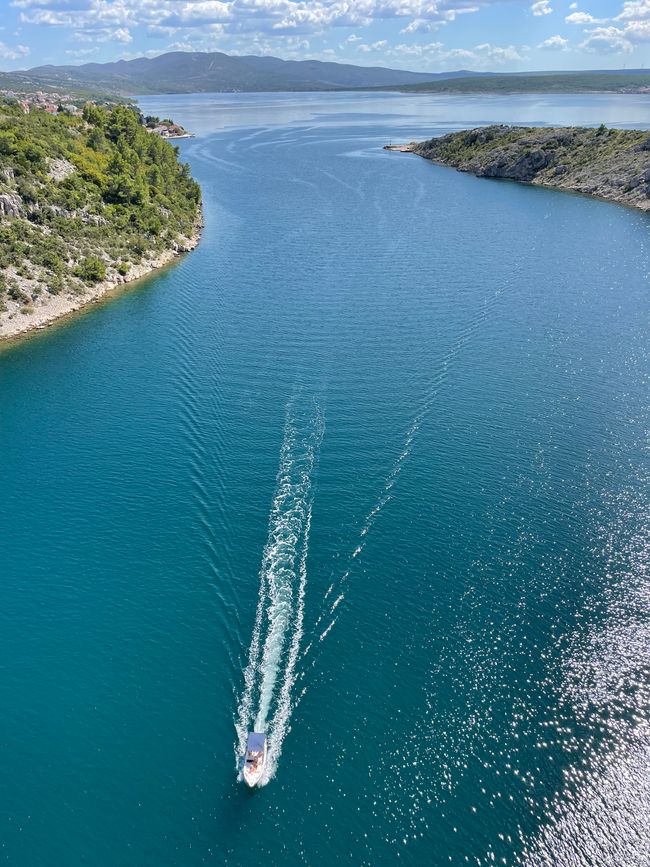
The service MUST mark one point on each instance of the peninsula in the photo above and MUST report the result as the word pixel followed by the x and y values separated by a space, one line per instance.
pixel 612 164
pixel 86 203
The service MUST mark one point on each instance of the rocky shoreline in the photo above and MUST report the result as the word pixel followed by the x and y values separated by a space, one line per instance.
pixel 610 164
pixel 48 309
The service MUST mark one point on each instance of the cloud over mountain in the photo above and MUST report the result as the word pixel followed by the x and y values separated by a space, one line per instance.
pixel 296 29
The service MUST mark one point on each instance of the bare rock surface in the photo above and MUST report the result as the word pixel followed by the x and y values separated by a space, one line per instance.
pixel 59 170
pixel 11 205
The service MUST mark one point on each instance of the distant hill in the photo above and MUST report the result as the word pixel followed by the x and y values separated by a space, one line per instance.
pixel 214 72
pixel 615 80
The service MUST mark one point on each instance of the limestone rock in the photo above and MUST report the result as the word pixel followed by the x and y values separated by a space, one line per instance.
pixel 59 170
pixel 11 205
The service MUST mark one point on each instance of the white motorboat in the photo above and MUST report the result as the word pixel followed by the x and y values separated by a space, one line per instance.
pixel 254 758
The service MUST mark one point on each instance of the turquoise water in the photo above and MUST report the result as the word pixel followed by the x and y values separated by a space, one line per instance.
pixel 367 468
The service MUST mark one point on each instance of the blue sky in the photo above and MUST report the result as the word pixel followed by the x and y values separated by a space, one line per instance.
pixel 424 35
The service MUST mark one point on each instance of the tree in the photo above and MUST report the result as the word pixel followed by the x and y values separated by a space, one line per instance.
pixel 91 270
pixel 94 114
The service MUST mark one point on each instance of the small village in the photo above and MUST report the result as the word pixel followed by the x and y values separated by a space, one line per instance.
pixel 54 103
pixel 166 128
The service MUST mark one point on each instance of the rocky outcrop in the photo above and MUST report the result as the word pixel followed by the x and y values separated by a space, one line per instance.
pixel 11 205
pixel 59 170
pixel 609 163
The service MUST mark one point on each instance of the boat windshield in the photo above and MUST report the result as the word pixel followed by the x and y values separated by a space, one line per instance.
pixel 256 742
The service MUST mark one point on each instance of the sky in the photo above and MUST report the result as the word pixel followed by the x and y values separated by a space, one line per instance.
pixel 423 35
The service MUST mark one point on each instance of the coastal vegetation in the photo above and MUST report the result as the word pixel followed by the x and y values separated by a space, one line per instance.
pixel 83 200
pixel 610 163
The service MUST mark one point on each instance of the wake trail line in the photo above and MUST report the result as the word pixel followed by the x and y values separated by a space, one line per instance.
pixel 270 674
pixel 426 403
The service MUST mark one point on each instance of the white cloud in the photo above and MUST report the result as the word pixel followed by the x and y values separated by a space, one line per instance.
pixel 541 7
pixel 484 56
pixel 554 43
pixel 81 52
pixel 498 54
pixel 207 10
pixel 419 25
pixel 634 10
pixel 163 32
pixel 182 46
pixel 607 40
pixel 417 50
pixel 634 28
pixel 246 16
pixel 638 31
pixel 267 26
pixel 380 45
pixel 44 16
pixel 103 34
pixel 481 56
pixel 7 52
pixel 582 18
pixel 52 4
pixel 121 35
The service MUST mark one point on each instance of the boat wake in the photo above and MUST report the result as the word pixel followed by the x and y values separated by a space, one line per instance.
pixel 428 400
pixel 266 702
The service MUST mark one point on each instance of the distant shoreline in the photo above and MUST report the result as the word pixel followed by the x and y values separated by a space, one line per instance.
pixel 48 310
pixel 608 164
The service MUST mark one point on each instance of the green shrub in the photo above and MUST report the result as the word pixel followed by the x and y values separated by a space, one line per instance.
pixel 91 270
pixel 55 285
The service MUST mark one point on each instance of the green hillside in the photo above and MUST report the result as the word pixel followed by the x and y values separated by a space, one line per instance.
pixel 83 199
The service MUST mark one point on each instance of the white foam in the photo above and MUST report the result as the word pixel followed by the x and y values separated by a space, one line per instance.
pixel 279 725
pixel 278 627
pixel 324 634
pixel 250 673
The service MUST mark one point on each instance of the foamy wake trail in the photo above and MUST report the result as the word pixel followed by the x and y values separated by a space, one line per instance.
pixel 266 702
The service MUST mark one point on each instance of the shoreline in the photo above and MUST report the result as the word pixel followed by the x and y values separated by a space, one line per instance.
pixel 642 207
pixel 55 308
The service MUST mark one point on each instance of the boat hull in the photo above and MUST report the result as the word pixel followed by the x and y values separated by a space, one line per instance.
pixel 252 778
pixel 254 762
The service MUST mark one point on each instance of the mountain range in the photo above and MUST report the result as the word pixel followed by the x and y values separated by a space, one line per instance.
pixel 213 72
pixel 216 72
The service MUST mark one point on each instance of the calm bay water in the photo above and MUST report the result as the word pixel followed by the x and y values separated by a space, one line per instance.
pixel 369 468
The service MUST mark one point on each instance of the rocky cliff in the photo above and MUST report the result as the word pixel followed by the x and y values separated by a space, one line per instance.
pixel 612 164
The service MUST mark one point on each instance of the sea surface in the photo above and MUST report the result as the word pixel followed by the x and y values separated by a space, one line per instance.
pixel 367 470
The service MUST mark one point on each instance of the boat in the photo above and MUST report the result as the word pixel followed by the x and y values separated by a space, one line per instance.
pixel 254 758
